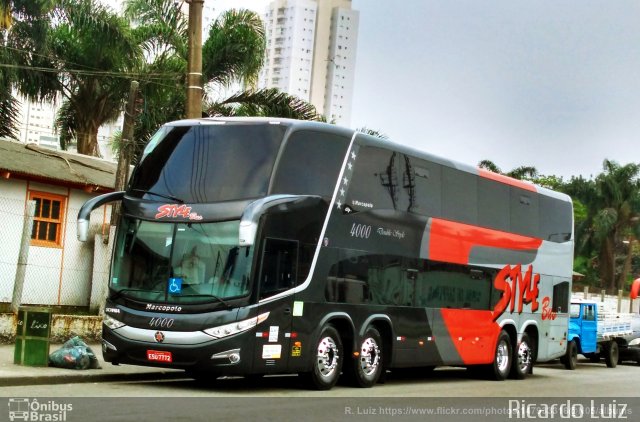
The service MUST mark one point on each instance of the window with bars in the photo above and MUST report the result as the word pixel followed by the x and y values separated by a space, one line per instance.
pixel 48 218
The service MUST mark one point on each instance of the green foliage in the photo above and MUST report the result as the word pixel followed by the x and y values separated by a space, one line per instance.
pixel 266 102
pixel 234 48
pixel 520 173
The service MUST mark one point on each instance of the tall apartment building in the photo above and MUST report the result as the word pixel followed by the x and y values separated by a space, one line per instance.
pixel 311 53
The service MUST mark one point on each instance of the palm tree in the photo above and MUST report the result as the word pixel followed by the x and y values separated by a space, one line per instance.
pixel 520 173
pixel 20 20
pixel 82 52
pixel 232 55
pixel 617 219
pixel 266 102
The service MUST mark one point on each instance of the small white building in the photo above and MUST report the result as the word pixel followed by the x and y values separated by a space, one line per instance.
pixel 60 269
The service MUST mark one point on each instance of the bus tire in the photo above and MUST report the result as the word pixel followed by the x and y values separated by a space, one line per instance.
pixel 327 361
pixel 611 354
pixel 522 360
pixel 570 359
pixel 502 358
pixel 368 366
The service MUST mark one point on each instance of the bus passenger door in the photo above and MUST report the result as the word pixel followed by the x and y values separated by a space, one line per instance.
pixel 278 270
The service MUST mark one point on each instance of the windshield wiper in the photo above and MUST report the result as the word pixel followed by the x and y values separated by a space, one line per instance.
pixel 219 299
pixel 118 293
pixel 173 198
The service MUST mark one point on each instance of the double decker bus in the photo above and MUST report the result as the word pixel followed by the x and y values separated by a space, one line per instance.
pixel 259 246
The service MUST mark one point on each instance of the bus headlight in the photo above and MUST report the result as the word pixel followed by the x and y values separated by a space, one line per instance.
pixel 634 342
pixel 112 323
pixel 236 327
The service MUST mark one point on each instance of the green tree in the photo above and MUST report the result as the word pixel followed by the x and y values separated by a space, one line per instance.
pixel 79 51
pixel 232 56
pixel 520 173
pixel 20 27
pixel 612 223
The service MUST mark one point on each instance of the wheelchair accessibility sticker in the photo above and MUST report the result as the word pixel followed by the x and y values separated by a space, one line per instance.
pixel 175 285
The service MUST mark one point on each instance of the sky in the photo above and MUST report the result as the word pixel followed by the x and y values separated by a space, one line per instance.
pixel 553 84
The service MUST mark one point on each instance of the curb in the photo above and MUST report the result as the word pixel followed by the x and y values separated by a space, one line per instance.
pixel 82 378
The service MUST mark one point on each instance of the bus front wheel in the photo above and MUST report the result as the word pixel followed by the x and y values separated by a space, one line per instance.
pixel 366 368
pixel 327 362
pixel 502 359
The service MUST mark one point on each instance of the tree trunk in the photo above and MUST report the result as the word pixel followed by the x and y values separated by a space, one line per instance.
pixel 626 268
pixel 607 265
pixel 88 140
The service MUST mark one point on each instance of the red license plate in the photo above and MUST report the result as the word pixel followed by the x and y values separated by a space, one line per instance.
pixel 159 356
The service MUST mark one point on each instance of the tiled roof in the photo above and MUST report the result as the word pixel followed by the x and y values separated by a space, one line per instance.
pixel 32 160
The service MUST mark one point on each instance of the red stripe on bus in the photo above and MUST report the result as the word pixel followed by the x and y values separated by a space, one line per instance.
pixel 506 180
pixel 473 333
pixel 452 242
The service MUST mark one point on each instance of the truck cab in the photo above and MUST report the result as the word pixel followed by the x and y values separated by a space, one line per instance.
pixel 595 333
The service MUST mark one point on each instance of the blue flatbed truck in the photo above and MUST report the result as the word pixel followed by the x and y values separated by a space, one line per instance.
pixel 596 333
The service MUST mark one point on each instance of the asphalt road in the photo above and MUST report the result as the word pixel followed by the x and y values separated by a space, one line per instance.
pixel 445 391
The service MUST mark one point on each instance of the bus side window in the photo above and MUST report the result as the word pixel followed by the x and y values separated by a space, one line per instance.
pixel 279 266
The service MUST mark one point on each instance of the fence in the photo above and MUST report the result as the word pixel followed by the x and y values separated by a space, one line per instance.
pixel 54 276
pixel 618 303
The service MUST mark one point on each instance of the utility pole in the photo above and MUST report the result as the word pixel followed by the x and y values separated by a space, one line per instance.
pixel 194 61
pixel 126 149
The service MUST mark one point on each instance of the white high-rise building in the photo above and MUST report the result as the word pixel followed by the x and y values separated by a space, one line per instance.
pixel 311 52
pixel 37 123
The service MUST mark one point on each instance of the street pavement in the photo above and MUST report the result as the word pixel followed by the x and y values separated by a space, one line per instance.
pixel 20 375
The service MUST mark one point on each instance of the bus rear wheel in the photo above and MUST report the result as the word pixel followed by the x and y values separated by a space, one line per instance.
pixel 522 361
pixel 366 369
pixel 502 359
pixel 327 362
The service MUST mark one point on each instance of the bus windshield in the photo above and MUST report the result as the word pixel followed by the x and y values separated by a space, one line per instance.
pixel 181 262
pixel 208 163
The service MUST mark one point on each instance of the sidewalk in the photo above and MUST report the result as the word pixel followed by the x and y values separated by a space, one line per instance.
pixel 18 375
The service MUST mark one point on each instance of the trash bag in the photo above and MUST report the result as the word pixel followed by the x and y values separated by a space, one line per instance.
pixel 74 354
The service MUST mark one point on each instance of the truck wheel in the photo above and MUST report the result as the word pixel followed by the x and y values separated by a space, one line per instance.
pixel 522 361
pixel 367 368
pixel 327 362
pixel 570 359
pixel 611 354
pixel 502 358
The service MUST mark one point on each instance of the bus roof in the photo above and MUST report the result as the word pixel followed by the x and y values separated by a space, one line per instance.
pixel 371 140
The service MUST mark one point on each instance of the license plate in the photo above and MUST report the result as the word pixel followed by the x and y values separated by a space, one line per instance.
pixel 159 356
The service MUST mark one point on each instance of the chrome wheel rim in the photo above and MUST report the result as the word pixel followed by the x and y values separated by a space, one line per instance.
pixel 524 357
pixel 328 357
pixel 369 356
pixel 502 356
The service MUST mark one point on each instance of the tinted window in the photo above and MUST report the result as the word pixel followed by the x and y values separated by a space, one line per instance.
pixel 561 297
pixel 279 266
pixel 427 179
pixel 209 163
pixel 375 178
pixel 493 205
pixel 302 226
pixel 556 219
pixel 524 212
pixel 459 196
pixel 310 163
pixel 359 277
